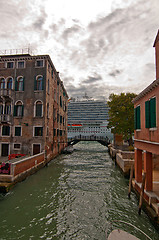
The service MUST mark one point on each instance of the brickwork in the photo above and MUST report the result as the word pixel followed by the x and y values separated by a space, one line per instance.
pixel 33 106
pixel 27 163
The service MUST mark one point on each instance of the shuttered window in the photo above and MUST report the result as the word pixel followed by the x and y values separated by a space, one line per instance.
pixel 137 118
pixel 5 130
pixel 17 131
pixel 38 131
pixel 150 113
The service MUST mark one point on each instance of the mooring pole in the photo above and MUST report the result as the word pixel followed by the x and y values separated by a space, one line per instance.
pixel 142 192
pixel 130 180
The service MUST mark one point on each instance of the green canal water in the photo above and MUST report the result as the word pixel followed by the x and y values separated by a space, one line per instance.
pixel 75 197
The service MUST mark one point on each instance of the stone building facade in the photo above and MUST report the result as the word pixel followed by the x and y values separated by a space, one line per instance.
pixel 33 106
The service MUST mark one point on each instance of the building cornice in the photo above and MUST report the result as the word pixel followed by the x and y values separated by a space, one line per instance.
pixel 152 86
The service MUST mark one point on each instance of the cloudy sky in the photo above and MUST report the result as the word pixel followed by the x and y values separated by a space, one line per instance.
pixel 98 46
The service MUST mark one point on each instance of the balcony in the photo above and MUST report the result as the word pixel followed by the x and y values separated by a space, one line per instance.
pixel 5 118
pixel 6 92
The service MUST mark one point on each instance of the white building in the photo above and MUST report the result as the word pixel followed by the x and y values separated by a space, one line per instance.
pixel 88 118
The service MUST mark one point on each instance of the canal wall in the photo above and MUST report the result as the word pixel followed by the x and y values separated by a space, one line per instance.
pixel 124 159
pixel 21 168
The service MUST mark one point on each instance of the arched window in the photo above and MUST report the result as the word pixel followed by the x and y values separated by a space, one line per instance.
pixel 19 84
pixel 9 83
pixel 2 83
pixel 18 109
pixel 7 109
pixel 38 84
pixel 38 109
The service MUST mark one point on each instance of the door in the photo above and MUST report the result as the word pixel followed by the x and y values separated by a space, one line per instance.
pixel 4 149
pixel 36 149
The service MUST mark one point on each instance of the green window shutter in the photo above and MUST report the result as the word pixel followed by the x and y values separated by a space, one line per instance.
pixel 43 83
pixel 23 83
pixel 137 118
pixel 147 114
pixel 35 131
pixel 35 83
pixel 22 110
pixel 16 84
pixel 153 112
pixel 15 110
pixel 41 131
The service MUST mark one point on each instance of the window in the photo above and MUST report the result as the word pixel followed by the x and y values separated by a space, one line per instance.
pixel 17 131
pixel 47 110
pixel 38 83
pixel 150 113
pixel 7 109
pixel 9 83
pixel 17 146
pixel 2 83
pixel 19 84
pixel 39 63
pixel 10 64
pixel 137 118
pixel 48 86
pixel 18 109
pixel 60 101
pixel 38 109
pixel 5 130
pixel 20 64
pixel 38 131
pixel 54 132
pixel 60 132
pixel 1 107
pixel 60 119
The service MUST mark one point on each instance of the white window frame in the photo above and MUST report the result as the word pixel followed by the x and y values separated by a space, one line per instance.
pixel 35 107
pixel 34 131
pixel 21 61
pixel 37 61
pixel 14 131
pixel 17 148
pixel 6 64
pixel 9 132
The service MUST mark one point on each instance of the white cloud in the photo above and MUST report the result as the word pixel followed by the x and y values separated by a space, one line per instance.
pixel 106 43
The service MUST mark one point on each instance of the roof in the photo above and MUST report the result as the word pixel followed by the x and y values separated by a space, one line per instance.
pixel 156 39
pixel 153 85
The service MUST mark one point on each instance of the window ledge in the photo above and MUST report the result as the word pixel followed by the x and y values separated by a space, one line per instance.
pixel 153 129
pixel 137 130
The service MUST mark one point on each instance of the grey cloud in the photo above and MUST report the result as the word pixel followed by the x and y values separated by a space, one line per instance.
pixel 40 21
pixel 70 31
pixel 115 72
pixel 92 79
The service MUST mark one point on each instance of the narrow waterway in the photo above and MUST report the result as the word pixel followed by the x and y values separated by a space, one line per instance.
pixel 75 197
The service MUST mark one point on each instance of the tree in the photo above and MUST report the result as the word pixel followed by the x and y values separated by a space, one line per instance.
pixel 121 115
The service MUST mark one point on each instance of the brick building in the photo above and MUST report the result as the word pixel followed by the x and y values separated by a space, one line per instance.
pixel 33 106
pixel 146 140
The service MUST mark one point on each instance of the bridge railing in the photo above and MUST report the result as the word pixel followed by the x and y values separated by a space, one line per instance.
pixel 89 138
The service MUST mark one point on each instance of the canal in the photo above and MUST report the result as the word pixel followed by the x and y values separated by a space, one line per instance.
pixel 75 197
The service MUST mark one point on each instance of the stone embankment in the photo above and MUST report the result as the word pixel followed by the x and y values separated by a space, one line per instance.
pixel 19 169
pixel 124 159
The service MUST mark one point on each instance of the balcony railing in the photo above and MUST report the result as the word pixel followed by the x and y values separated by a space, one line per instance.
pixel 5 118
pixel 6 92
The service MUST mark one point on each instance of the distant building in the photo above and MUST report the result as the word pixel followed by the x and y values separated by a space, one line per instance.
pixel 33 106
pixel 146 139
pixel 88 118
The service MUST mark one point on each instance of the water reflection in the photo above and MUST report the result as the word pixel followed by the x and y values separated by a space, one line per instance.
pixel 75 197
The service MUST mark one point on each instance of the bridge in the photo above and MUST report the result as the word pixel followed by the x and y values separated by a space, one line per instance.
pixel 105 141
